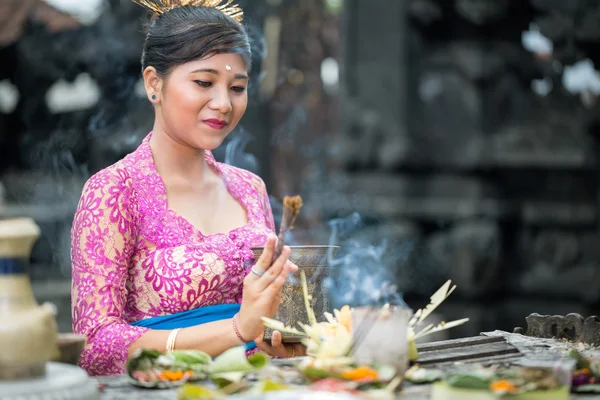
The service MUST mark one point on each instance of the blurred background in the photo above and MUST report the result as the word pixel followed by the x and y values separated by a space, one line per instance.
pixel 432 139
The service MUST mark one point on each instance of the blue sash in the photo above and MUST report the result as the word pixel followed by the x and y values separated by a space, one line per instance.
pixel 190 318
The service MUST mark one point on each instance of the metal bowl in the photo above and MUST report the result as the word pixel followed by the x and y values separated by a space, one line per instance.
pixel 313 260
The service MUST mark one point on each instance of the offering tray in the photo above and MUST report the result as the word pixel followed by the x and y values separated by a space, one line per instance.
pixel 61 382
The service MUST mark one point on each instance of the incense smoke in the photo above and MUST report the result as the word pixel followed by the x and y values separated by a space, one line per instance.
pixel 360 275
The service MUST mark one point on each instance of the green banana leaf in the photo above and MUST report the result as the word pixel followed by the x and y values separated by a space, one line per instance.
pixel 235 360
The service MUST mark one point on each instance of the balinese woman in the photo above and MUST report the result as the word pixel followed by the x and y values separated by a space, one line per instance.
pixel 161 240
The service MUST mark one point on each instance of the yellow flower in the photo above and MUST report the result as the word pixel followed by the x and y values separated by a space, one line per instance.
pixel 344 317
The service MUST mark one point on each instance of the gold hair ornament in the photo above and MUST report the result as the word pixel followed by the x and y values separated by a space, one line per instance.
pixel 161 6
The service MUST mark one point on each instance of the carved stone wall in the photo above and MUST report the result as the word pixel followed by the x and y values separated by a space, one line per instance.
pixel 456 126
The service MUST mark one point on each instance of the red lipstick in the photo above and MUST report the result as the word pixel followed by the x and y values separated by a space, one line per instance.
pixel 215 123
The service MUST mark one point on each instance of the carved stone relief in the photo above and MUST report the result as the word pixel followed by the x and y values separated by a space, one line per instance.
pixel 572 327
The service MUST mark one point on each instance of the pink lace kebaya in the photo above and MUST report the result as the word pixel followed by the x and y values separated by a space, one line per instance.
pixel 134 258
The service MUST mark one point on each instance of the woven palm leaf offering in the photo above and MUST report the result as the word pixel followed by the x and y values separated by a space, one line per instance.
pixel 365 348
pixel 334 362
pixel 153 369
pixel 531 380
pixel 417 328
pixel 515 383
pixel 586 377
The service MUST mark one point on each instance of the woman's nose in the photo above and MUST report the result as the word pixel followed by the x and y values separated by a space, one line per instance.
pixel 221 101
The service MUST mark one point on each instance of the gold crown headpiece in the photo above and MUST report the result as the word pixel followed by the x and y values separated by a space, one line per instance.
pixel 161 6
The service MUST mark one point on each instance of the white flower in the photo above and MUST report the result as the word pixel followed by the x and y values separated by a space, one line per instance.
pixel 581 77
pixel 535 42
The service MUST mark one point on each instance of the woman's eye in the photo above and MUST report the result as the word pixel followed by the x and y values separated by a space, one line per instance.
pixel 203 83
pixel 238 89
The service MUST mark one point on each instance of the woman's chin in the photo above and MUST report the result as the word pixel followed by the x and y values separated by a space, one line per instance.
pixel 210 143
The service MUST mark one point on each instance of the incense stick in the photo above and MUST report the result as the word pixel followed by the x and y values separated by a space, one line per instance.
pixel 291 209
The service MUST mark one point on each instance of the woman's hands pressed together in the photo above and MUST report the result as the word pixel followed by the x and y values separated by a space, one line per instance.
pixel 262 296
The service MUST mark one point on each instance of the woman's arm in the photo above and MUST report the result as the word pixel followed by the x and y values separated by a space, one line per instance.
pixel 102 243
pixel 213 338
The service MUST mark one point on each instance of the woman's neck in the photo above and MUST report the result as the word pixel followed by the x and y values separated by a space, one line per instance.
pixel 175 160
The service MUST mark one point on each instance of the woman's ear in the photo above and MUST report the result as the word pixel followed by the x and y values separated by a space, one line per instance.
pixel 153 84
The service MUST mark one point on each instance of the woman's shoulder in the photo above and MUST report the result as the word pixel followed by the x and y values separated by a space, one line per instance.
pixel 120 172
pixel 117 174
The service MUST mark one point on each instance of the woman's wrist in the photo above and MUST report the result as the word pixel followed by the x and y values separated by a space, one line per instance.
pixel 239 331
pixel 170 346
pixel 213 342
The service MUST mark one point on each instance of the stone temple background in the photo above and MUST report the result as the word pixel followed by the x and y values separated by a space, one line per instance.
pixel 434 139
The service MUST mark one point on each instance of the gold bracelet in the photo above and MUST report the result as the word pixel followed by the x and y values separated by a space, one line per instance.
pixel 171 340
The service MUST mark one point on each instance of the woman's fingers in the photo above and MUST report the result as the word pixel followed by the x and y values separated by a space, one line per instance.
pixel 280 265
pixel 299 350
pixel 260 343
pixel 278 347
pixel 293 267
pixel 265 347
pixel 264 261
pixel 279 280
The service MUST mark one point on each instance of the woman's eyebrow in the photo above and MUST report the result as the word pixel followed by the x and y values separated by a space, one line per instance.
pixel 209 70
pixel 215 72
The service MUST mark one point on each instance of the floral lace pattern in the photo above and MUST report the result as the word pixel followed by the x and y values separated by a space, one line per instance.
pixel 134 258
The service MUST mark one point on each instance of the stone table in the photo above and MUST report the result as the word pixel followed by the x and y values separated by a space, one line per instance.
pixel 118 388
pixel 491 348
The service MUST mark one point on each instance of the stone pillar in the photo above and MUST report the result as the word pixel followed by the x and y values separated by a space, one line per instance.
pixel 373 73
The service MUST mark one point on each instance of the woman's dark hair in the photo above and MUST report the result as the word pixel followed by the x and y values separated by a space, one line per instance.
pixel 189 33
